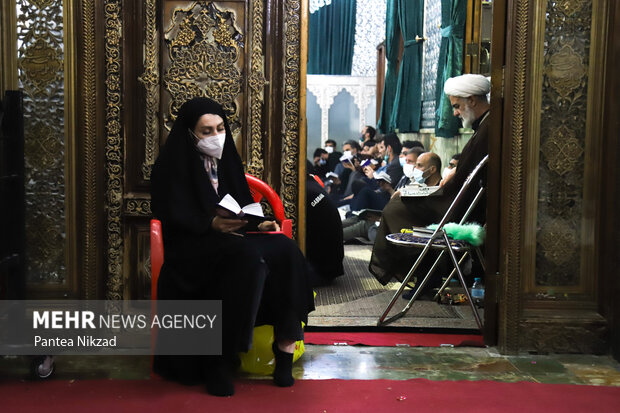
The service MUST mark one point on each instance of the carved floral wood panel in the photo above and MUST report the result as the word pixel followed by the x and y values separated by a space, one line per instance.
pixel 40 58
pixel 563 142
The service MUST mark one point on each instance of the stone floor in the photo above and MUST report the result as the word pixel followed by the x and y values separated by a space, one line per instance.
pixel 366 363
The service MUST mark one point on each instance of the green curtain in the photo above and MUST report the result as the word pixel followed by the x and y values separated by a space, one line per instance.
pixel 407 111
pixel 392 43
pixel 453 16
pixel 331 36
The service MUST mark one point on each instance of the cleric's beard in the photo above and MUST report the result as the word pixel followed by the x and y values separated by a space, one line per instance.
pixel 468 117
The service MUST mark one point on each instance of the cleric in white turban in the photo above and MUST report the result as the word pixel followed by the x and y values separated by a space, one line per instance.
pixel 467 85
pixel 468 97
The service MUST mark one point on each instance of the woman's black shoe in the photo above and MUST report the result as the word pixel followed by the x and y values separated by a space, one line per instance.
pixel 219 379
pixel 283 374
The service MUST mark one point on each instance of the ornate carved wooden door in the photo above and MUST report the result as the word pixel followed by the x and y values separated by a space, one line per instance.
pixel 104 80
pixel 243 54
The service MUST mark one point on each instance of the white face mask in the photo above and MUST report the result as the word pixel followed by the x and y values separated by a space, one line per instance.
pixel 329 149
pixel 418 175
pixel 212 146
pixel 402 160
pixel 408 169
pixel 445 172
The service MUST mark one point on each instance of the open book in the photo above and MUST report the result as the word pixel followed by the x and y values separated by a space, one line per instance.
pixel 416 190
pixel 232 209
pixel 369 214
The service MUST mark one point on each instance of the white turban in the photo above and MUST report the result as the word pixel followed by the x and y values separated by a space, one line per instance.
pixel 467 85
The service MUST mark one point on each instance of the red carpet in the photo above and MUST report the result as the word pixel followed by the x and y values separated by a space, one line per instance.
pixel 389 339
pixel 376 396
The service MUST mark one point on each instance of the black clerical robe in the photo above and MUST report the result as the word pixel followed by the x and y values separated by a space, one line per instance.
pixel 387 260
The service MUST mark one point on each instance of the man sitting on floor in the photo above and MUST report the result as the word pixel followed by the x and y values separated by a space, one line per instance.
pixel 468 96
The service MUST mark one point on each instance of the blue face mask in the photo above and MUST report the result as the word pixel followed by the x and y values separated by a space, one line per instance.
pixel 386 157
pixel 402 160
pixel 418 176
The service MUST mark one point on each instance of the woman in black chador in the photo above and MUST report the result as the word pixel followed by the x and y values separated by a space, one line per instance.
pixel 260 278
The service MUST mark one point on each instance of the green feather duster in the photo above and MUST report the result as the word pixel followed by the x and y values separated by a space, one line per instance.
pixel 471 233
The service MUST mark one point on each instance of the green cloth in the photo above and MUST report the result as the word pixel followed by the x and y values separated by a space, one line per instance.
pixel 471 233
pixel 401 105
pixel 392 44
pixel 453 16
pixel 331 36
pixel 407 111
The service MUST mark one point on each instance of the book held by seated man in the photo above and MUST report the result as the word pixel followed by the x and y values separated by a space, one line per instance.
pixel 346 157
pixel 368 214
pixel 230 208
pixel 418 190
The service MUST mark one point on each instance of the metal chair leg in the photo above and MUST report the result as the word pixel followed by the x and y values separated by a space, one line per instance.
pixel 445 284
pixel 382 319
pixel 462 280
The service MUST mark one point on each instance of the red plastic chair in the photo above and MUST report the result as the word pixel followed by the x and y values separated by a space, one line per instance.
pixel 260 189
pixel 318 180
pixel 157 260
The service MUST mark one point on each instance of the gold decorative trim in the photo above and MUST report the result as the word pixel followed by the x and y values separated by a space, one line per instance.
pixel 562 150
pixel 204 45
pixel 591 225
pixel 256 82
pixel 303 130
pixel 558 241
pixel 570 7
pixel 291 81
pixel 565 71
pixel 530 215
pixel 40 36
pixel 88 156
pixel 138 207
pixel 510 306
pixel 8 43
pixel 150 79
pixel 71 158
pixel 114 148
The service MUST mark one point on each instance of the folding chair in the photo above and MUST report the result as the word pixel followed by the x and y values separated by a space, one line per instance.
pixel 438 239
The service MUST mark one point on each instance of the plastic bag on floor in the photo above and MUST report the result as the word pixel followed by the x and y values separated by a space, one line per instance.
pixel 260 358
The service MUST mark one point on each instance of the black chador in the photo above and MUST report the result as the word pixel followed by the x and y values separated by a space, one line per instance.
pixel 261 279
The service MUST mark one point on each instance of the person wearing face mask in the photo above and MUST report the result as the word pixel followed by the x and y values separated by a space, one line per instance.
pixel 348 166
pixel 260 278
pixel 411 158
pixel 427 169
pixel 333 155
pixel 468 95
pixel 319 163
pixel 407 145
pixel 451 168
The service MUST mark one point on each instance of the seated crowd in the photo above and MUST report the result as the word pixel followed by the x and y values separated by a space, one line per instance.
pixel 364 181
